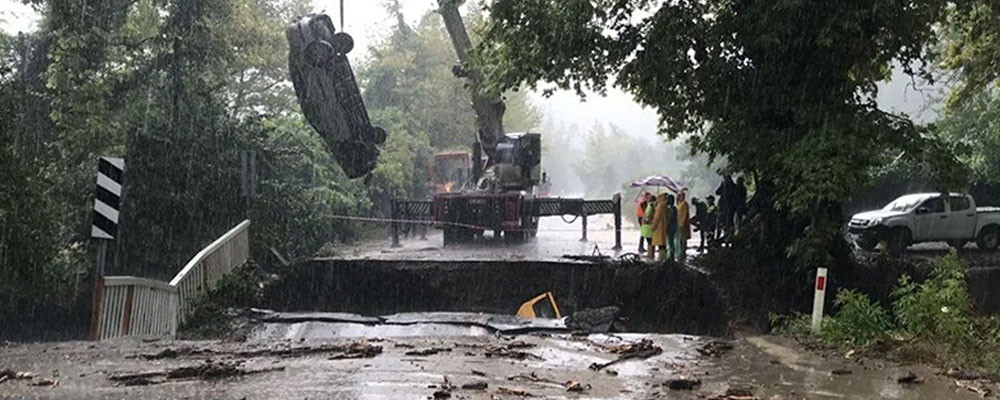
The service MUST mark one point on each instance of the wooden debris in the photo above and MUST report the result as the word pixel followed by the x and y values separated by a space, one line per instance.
pixel 427 352
pixel 482 385
pixel 644 348
pixel 513 392
pixel 973 387
pixel 576 387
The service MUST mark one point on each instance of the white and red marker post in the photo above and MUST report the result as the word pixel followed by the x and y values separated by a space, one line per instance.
pixel 819 299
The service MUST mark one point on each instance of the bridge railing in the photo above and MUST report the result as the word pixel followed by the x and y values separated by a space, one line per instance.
pixel 130 306
pixel 200 275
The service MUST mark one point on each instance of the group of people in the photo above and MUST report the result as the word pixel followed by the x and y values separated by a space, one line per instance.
pixel 665 226
pixel 665 222
pixel 732 206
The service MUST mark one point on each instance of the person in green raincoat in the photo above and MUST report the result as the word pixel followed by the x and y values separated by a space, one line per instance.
pixel 646 225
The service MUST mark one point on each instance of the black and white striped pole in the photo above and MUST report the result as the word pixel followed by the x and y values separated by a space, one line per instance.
pixel 107 206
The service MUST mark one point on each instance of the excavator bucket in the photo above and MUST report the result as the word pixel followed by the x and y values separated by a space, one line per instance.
pixel 328 93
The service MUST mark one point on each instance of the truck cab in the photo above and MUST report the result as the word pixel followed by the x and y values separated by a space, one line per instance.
pixel 449 171
pixel 927 217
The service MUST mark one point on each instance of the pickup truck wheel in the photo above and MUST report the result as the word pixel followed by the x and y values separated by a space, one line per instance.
pixel 989 238
pixel 866 243
pixel 957 244
pixel 899 239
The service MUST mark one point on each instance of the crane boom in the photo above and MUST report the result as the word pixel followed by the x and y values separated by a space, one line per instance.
pixel 489 108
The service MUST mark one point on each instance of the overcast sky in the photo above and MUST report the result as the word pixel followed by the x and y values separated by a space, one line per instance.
pixel 367 21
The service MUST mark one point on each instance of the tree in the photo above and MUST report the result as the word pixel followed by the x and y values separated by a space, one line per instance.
pixel 972 113
pixel 784 91
pixel 411 71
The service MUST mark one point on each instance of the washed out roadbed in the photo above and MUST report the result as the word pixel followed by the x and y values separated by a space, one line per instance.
pixel 472 367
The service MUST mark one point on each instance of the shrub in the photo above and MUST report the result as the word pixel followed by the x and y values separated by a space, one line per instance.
pixel 859 321
pixel 937 310
pixel 213 315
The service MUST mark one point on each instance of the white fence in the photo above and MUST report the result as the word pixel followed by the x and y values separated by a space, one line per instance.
pixel 130 306
pixel 210 264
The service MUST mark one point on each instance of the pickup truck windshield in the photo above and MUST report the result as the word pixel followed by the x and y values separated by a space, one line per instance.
pixel 902 204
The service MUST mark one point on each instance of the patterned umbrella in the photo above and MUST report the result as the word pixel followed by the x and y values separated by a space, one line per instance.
pixel 660 181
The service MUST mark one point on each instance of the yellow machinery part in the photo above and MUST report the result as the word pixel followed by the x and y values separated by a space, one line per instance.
pixel 527 309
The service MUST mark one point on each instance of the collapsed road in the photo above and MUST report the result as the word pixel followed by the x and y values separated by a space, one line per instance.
pixel 343 356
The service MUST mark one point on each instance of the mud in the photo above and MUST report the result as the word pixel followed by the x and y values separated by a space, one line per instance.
pixel 764 367
pixel 666 298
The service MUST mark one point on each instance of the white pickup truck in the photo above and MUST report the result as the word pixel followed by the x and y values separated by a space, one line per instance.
pixel 927 217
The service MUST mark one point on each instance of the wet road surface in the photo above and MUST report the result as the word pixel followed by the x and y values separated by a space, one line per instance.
pixel 555 239
pixel 444 357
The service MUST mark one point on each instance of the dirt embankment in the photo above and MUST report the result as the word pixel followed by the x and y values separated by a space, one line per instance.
pixel 667 298
pixel 718 295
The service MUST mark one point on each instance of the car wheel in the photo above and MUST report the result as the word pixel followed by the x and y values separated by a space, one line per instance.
pixel 342 43
pixel 319 53
pixel 899 240
pixel 957 244
pixel 989 238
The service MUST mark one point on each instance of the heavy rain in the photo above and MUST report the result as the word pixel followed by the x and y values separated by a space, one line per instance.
pixel 295 199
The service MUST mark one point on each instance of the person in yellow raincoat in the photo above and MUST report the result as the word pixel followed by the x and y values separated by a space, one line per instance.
pixel 683 227
pixel 661 219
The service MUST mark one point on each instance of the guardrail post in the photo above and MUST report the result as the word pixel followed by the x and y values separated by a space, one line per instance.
pixel 617 200
pixel 395 223
pixel 584 238
pixel 95 317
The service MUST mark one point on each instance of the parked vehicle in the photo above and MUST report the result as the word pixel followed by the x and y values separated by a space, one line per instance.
pixel 927 217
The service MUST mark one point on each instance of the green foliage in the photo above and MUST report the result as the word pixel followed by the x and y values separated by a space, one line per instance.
pixel 410 73
pixel 937 310
pixel 182 90
pixel 970 48
pixel 930 321
pixel 858 322
pixel 39 267
pixel 402 168
pixel 214 315
pixel 300 188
